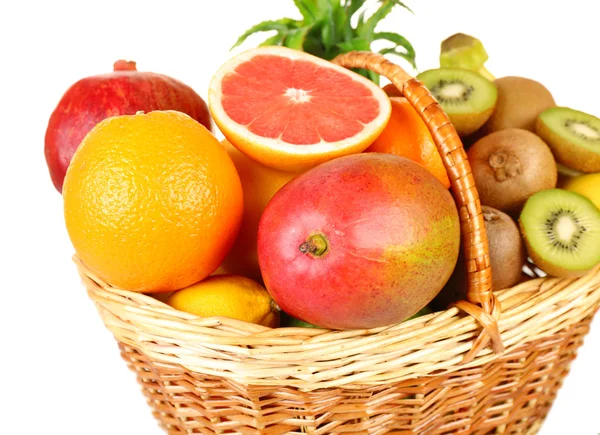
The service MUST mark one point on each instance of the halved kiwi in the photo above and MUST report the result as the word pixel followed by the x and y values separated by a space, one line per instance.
pixel 573 136
pixel 561 230
pixel 467 97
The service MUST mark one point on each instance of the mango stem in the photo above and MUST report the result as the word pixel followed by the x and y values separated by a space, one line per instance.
pixel 316 245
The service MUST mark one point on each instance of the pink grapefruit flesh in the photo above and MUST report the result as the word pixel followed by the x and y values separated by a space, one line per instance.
pixel 290 110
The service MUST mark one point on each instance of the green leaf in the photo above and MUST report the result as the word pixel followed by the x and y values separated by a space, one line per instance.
pixel 361 23
pixel 404 5
pixel 374 77
pixel 312 45
pixel 273 40
pixel 386 7
pixel 282 25
pixel 295 38
pixel 309 11
pixel 350 8
pixel 353 6
pixel 366 30
pixel 409 58
pixel 399 41
pixel 358 44
pixel 340 18
pixel 328 31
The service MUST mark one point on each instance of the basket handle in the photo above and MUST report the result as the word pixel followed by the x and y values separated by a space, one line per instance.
pixel 482 304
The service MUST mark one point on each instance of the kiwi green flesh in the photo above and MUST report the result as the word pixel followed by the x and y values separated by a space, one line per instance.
pixel 578 128
pixel 460 91
pixel 572 140
pixel 562 232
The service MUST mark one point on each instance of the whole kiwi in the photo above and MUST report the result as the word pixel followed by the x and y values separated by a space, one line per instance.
pixel 520 101
pixel 507 257
pixel 509 166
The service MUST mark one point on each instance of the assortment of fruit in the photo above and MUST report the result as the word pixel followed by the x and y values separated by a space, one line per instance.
pixel 327 204
pixel 534 164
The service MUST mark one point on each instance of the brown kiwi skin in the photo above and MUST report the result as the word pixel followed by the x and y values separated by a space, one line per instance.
pixel 507 257
pixel 509 166
pixel 520 101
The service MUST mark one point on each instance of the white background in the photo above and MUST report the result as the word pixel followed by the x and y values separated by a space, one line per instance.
pixel 60 368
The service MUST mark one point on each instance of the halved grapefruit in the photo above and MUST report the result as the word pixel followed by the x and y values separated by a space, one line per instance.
pixel 290 110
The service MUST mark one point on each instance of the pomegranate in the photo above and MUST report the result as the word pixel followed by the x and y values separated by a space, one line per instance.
pixel 125 91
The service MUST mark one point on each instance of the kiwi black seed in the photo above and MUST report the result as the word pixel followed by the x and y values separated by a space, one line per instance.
pixel 509 166
pixel 507 257
pixel 467 97
pixel 573 137
pixel 520 101
pixel 561 230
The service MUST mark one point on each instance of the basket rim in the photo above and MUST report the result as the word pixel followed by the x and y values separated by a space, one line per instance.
pixel 314 358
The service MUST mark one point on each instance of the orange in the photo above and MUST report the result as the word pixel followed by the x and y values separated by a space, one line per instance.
pixel 391 90
pixel 406 135
pixel 259 184
pixel 290 110
pixel 232 296
pixel 152 202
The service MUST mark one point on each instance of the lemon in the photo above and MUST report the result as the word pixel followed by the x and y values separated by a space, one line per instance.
pixel 231 296
pixel 587 185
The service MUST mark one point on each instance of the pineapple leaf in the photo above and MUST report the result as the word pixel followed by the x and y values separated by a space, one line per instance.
pixel 312 45
pixel 326 30
pixel 281 25
pixel 341 20
pixel 295 38
pixel 276 39
pixel 402 4
pixel 350 8
pixel 309 10
pixel 357 44
pixel 403 55
pixel 368 28
pixel 353 6
pixel 374 77
pixel 400 42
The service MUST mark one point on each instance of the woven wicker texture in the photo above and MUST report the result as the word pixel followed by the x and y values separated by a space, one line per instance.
pixel 432 375
pixel 511 395
pixel 311 359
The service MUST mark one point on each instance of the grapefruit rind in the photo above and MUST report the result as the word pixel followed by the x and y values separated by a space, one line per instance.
pixel 276 153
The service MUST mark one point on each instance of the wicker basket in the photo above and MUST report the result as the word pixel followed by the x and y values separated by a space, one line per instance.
pixel 492 364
